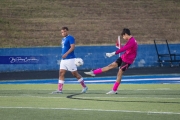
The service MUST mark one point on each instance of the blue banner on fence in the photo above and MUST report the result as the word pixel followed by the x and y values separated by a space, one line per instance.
pixel 23 60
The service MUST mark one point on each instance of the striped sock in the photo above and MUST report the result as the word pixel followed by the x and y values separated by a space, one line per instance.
pixel 60 85
pixel 82 82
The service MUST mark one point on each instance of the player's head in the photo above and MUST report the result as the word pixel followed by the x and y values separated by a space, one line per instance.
pixel 64 31
pixel 126 33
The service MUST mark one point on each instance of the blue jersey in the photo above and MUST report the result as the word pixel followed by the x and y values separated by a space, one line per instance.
pixel 66 45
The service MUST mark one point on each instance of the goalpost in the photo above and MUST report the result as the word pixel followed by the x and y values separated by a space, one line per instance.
pixel 118 43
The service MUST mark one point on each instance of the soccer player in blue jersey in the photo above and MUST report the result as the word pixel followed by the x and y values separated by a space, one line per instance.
pixel 68 61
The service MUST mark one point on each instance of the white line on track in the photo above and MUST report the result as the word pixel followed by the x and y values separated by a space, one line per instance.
pixel 135 79
pixel 100 110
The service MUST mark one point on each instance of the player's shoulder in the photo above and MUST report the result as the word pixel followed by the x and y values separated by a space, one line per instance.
pixel 132 39
pixel 70 37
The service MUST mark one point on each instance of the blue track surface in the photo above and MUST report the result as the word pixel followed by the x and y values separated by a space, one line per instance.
pixel 133 79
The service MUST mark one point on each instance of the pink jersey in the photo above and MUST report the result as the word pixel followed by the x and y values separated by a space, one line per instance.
pixel 130 49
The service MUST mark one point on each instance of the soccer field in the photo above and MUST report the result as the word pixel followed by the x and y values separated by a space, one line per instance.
pixel 133 102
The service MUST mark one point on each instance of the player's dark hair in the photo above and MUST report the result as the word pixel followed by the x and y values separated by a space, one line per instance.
pixel 125 31
pixel 64 28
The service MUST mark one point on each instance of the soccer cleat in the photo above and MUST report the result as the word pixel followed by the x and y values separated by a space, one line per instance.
pixel 57 92
pixel 84 90
pixel 90 73
pixel 112 92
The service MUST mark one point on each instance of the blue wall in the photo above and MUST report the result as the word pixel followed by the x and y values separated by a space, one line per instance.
pixel 93 56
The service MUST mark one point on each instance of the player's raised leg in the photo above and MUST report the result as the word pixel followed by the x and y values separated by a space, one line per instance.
pixel 101 70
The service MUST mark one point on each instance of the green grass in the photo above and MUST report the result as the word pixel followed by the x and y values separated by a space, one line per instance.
pixel 137 102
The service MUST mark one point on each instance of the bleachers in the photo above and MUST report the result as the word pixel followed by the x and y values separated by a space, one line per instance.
pixel 166 55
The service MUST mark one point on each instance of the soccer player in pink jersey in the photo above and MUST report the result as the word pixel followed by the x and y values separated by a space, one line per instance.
pixel 123 62
pixel 68 61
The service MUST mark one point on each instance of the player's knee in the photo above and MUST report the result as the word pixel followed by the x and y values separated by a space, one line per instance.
pixel 75 74
pixel 61 73
pixel 120 72
pixel 111 66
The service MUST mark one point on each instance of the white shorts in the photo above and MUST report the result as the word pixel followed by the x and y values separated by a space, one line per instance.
pixel 68 64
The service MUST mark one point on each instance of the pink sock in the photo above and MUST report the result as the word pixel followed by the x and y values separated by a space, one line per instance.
pixel 82 82
pixel 116 85
pixel 60 85
pixel 97 71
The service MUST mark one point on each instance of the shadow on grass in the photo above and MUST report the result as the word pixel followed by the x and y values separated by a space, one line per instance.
pixel 73 96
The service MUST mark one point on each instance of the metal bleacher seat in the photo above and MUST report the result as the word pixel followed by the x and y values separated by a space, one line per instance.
pixel 165 56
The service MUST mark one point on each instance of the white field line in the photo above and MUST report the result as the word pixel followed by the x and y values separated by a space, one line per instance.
pixel 90 89
pixel 136 79
pixel 26 95
pixel 99 110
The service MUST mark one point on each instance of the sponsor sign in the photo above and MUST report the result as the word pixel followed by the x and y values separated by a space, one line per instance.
pixel 23 59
